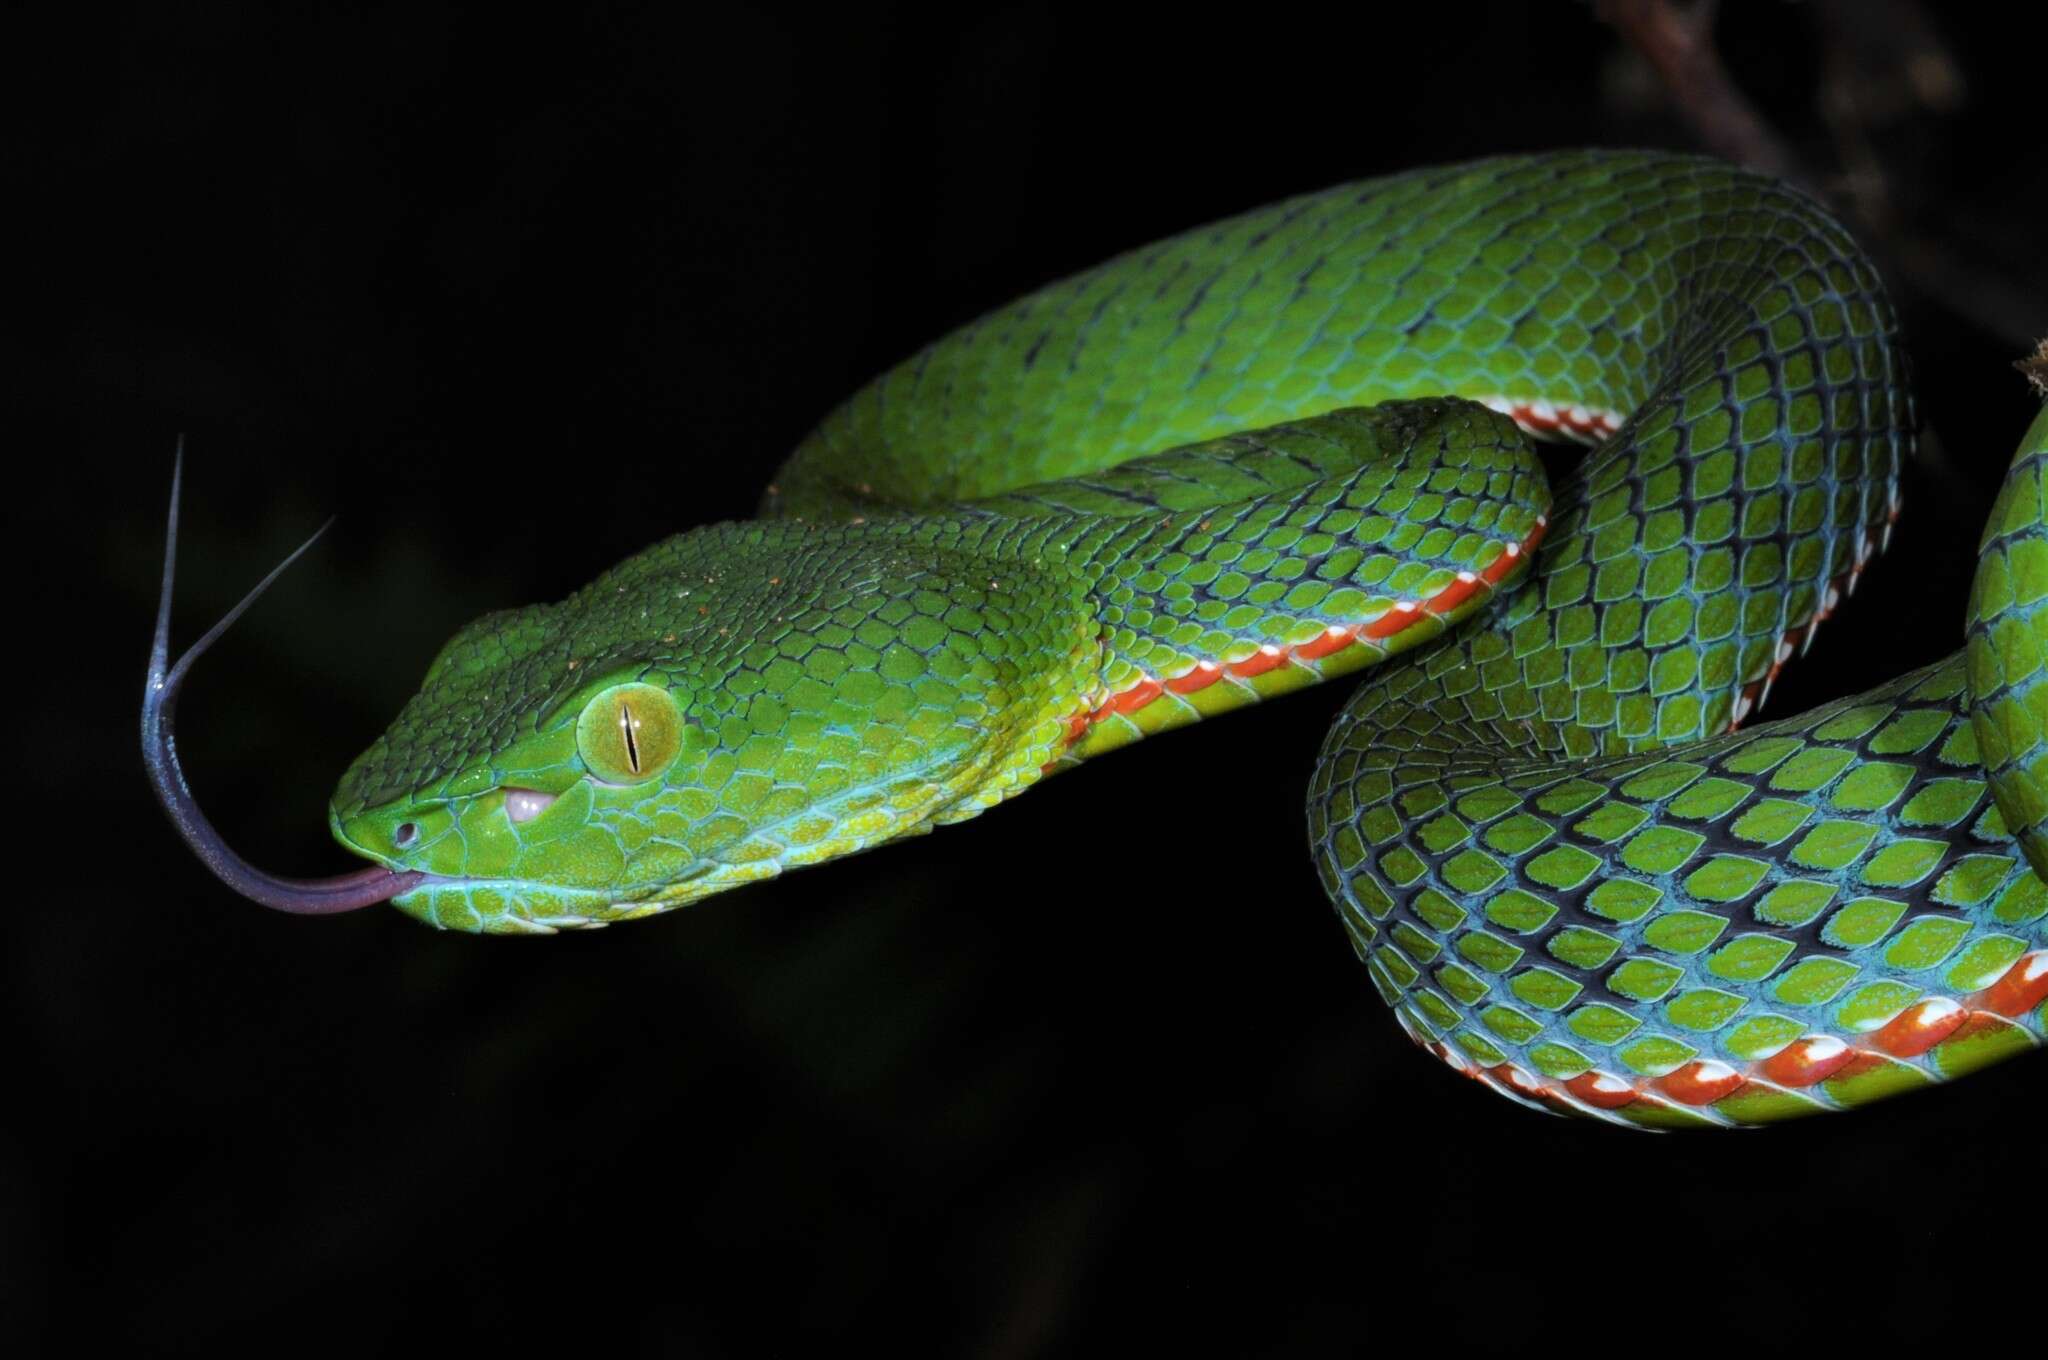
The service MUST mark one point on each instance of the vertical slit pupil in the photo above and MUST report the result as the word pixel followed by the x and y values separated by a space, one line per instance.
pixel 626 729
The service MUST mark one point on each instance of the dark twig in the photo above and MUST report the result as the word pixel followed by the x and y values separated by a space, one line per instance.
pixel 1678 44
pixel 1886 66
pixel 2035 366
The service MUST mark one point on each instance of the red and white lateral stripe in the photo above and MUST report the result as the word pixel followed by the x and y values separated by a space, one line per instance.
pixel 1556 419
pixel 1802 1063
pixel 1335 638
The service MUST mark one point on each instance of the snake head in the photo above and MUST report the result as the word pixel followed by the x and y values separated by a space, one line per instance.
pixel 732 702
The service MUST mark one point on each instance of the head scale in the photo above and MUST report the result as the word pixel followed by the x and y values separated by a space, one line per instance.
pixel 734 701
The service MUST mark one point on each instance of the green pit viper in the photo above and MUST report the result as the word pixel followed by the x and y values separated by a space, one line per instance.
pixel 1289 446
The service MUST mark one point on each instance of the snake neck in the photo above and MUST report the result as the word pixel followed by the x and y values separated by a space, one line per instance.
pixel 1211 576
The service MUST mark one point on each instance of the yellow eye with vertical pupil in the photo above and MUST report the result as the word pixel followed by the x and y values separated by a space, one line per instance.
pixel 629 733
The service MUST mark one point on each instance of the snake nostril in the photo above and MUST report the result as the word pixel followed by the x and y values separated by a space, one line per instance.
pixel 407 833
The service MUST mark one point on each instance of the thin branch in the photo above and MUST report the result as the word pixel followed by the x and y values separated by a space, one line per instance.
pixel 1678 44
pixel 2035 366
pixel 1876 81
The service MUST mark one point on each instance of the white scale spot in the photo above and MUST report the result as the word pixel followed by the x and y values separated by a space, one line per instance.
pixel 523 805
pixel 1934 1010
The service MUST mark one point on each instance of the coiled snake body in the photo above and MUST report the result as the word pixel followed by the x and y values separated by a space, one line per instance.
pixel 1283 448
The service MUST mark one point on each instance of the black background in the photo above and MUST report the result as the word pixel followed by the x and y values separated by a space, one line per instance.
pixel 515 298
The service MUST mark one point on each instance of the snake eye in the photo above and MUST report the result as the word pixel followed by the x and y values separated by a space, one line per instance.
pixel 629 733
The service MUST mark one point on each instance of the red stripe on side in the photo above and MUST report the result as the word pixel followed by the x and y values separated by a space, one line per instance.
pixel 1332 640
pixel 1200 678
pixel 1258 663
pixel 1601 1091
pixel 1920 1027
pixel 1703 1083
pixel 1808 1061
pixel 1392 622
pixel 2024 986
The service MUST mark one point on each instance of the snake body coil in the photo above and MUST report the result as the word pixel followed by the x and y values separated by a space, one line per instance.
pixel 1286 447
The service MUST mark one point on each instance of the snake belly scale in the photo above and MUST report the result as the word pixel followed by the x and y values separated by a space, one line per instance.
pixel 1296 444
